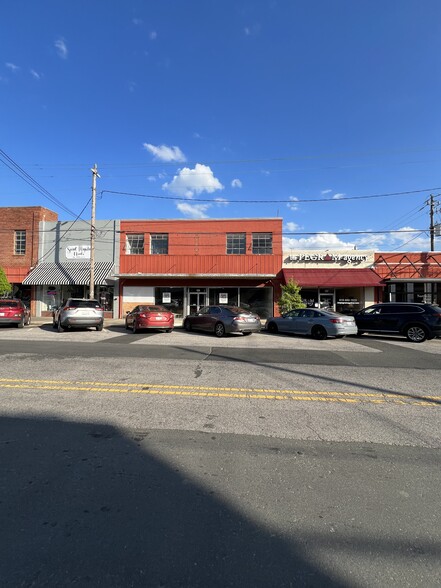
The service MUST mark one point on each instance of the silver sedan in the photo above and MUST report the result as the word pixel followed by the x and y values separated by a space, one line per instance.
pixel 318 323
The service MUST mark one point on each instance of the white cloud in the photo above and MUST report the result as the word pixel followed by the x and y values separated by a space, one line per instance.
pixel 338 196
pixel 61 47
pixel 193 210
pixel 14 68
pixel 165 153
pixel 291 204
pixel 236 183
pixel 196 136
pixel 189 182
pixel 319 241
pixel 151 179
pixel 265 172
pixel 221 201
pixel 291 227
pixel 153 35
pixel 137 21
pixel 323 192
pixel 35 74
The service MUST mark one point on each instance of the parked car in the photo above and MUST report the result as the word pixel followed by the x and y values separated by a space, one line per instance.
pixel 416 321
pixel 319 323
pixel 150 317
pixel 78 312
pixel 14 312
pixel 223 319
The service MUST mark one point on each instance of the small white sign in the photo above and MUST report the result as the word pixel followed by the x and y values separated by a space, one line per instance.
pixel 78 252
pixel 166 297
pixel 223 298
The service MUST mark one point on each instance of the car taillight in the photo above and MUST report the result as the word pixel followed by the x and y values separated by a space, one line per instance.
pixel 239 318
pixel 336 320
pixel 142 315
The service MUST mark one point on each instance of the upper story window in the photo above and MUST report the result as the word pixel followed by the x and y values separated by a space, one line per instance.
pixel 236 243
pixel 20 243
pixel 262 243
pixel 135 244
pixel 159 244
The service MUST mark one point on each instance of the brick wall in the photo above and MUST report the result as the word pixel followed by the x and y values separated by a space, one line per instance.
pixel 25 218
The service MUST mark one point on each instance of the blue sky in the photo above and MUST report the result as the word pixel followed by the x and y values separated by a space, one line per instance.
pixel 229 109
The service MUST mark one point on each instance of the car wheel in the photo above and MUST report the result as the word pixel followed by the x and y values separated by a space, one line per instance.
pixel 54 324
pixel 187 325
pixel 416 333
pixel 273 328
pixel 219 330
pixel 21 324
pixel 319 332
pixel 99 327
pixel 59 327
pixel 134 328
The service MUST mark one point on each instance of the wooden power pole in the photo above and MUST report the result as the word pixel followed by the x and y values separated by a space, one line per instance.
pixel 95 175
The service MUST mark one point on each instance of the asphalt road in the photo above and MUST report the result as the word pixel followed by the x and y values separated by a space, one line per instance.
pixel 183 460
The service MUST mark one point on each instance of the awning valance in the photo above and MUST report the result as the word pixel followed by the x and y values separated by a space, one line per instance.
pixel 69 273
pixel 333 278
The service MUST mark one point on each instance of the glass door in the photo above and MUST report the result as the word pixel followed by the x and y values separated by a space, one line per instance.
pixel 326 300
pixel 197 298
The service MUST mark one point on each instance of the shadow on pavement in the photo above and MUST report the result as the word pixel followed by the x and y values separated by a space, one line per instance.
pixel 83 505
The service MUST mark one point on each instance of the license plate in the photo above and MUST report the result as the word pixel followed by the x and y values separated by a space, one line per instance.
pixel 159 318
pixel 251 320
pixel 2 313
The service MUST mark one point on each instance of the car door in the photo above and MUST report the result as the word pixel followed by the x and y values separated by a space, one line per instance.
pixel 131 316
pixel 288 323
pixel 199 319
pixel 212 316
pixel 369 319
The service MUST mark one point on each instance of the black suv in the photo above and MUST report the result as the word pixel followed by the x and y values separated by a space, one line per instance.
pixel 415 321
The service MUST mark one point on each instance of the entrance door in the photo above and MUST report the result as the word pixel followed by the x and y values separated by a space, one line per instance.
pixel 197 299
pixel 326 300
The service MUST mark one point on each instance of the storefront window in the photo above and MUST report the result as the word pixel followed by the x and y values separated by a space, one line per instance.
pixel 224 296
pixel 258 300
pixel 172 298
pixel 309 298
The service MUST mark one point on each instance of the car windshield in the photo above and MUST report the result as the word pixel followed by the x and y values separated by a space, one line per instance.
pixel 84 304
pixel 237 310
pixel 153 309
pixel 8 303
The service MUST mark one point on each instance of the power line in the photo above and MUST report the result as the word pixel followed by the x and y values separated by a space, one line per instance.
pixel 289 201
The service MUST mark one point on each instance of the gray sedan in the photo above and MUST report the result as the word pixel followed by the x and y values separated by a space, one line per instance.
pixel 223 319
pixel 317 323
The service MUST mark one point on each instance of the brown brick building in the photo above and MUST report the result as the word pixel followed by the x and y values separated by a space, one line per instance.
pixel 20 236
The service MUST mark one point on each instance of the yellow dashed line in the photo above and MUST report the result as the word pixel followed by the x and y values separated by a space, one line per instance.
pixel 215 392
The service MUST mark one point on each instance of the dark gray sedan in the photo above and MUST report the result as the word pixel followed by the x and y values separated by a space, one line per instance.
pixel 317 323
pixel 223 319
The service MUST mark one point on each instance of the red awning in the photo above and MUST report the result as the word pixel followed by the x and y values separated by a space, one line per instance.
pixel 333 278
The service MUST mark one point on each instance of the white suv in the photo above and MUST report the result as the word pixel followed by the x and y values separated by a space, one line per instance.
pixel 78 312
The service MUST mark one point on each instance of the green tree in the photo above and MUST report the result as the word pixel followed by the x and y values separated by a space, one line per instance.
pixel 5 286
pixel 290 297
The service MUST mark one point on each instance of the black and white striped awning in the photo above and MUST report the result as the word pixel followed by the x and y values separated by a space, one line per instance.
pixel 73 273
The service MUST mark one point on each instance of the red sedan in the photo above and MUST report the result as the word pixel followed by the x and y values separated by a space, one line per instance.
pixel 150 317
pixel 14 312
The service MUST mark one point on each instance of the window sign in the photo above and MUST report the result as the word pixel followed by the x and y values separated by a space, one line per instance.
pixel 166 297
pixel 223 298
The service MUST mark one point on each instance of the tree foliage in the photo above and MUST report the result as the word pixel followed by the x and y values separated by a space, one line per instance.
pixel 5 286
pixel 290 297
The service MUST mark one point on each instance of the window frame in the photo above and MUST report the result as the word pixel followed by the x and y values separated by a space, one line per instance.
pixel 259 243
pixel 130 246
pixel 234 244
pixel 159 238
pixel 20 242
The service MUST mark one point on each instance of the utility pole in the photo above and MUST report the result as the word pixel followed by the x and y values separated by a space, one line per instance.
pixel 95 175
pixel 432 226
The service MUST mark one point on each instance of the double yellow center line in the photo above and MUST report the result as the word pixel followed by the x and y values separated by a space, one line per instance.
pixel 222 392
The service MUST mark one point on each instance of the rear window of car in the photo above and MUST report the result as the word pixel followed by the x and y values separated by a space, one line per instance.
pixel 236 310
pixel 153 309
pixel 83 304
pixel 401 309
pixel 9 304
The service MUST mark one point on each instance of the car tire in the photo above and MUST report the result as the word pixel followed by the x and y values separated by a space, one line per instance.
pixel 187 325
pixel 21 324
pixel 219 330
pixel 59 327
pixel 273 328
pixel 319 333
pixel 28 322
pixel 134 328
pixel 99 327
pixel 416 333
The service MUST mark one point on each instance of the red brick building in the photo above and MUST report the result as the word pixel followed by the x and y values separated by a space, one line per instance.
pixel 187 264
pixel 20 231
